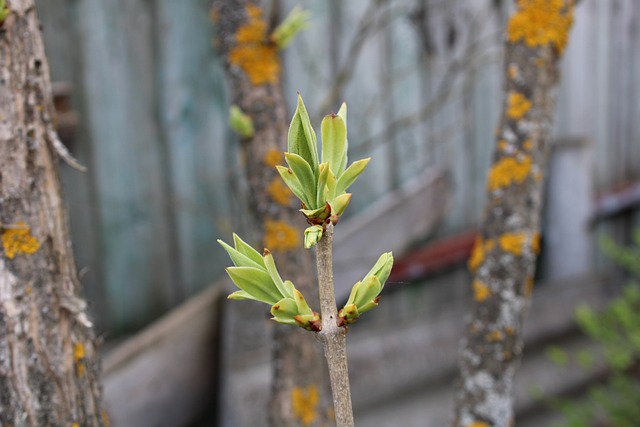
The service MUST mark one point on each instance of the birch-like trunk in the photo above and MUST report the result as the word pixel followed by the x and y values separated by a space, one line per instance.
pixel 49 365
pixel 504 257
pixel 300 391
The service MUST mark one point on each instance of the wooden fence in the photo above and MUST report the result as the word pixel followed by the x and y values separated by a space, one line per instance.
pixel 422 78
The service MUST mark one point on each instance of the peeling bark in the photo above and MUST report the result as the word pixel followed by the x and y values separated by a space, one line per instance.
pixel 503 260
pixel 300 391
pixel 49 365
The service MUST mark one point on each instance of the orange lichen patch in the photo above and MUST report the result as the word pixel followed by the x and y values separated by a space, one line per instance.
pixel 527 145
pixel 273 157
pixel 518 105
pixel 304 402
pixel 279 192
pixel 253 53
pixel 254 11
pixel 535 243
pixel 541 22
pixel 503 145
pixel 508 171
pixel 280 236
pixel 78 356
pixel 512 71
pixel 478 424
pixel 509 330
pixel 18 240
pixel 75 425
pixel 494 336
pixel 480 290
pixel 528 286
pixel 478 252
pixel 512 242
pixel 78 351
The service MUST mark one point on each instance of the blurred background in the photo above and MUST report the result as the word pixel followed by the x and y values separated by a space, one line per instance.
pixel 142 101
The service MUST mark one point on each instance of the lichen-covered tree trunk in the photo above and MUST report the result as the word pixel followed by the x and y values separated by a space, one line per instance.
pixel 49 366
pixel 503 259
pixel 300 387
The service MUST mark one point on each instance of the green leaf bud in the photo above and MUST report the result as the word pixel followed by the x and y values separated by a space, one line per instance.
pixel 349 176
pixel 294 23
pixel 312 235
pixel 240 122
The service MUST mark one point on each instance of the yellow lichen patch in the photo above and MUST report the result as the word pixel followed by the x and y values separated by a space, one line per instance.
pixel 503 145
pixel 494 336
pixel 527 145
pixel 254 54
pixel 75 425
pixel 304 402
pixel 18 240
pixel 478 424
pixel 509 330
pixel 508 171
pixel 78 352
pixel 541 22
pixel 480 290
pixel 280 236
pixel 535 243
pixel 518 105
pixel 279 192
pixel 512 242
pixel 105 418
pixel 78 356
pixel 273 157
pixel 478 252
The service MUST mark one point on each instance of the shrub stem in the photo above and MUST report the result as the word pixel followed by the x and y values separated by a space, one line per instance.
pixel 332 336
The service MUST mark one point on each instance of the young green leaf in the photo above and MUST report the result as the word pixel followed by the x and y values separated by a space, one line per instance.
pixel 255 282
pixel 330 189
pixel 340 203
pixel 304 173
pixel 303 307
pixel 239 259
pixel 334 138
pixel 293 183
pixel 275 276
pixel 322 183
pixel 350 175
pixel 302 138
pixel 246 249
pixel 284 311
pixel 242 295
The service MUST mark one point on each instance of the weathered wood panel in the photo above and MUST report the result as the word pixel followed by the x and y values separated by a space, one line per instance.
pixel 152 107
pixel 166 375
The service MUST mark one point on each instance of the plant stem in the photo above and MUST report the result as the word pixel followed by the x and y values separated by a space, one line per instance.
pixel 333 337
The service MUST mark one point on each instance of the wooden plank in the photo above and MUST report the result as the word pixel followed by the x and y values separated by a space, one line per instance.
pixel 166 375
pixel 134 229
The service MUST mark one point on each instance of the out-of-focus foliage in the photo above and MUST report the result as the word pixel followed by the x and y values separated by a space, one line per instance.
pixel 616 330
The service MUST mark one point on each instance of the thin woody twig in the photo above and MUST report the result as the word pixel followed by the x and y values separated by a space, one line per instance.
pixel 332 336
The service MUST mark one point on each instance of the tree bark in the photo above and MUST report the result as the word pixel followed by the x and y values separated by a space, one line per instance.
pixel 49 365
pixel 300 391
pixel 503 259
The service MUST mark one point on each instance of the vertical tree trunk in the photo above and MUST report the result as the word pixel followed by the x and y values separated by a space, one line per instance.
pixel 49 366
pixel 503 260
pixel 300 392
